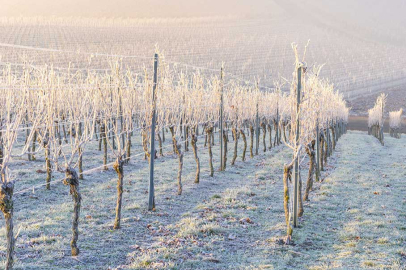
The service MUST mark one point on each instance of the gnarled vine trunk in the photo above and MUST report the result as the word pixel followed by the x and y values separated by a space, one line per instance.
pixel 144 136
pixel 7 207
pixel 72 179
pixel 252 141
pixel 47 162
pixel 287 174
pixel 310 152
pixel 264 135
pixel 100 138
pixel 277 133
pixel 64 132
pixel 80 165
pixel 270 136
pixel 171 129
pixel 234 130
pixel 321 152
pixel 284 131
pixel 119 168
pixel 244 139
pixel 209 132
pixel 186 138
pixel 333 138
pixel 147 154
pixel 205 136
pixel 193 142
pixel 180 159
pixel 225 141
pixel 161 153
pixel 300 206
pixel 128 148
pixel 34 146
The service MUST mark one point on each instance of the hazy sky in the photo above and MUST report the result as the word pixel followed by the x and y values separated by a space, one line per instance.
pixel 369 13
pixel 131 8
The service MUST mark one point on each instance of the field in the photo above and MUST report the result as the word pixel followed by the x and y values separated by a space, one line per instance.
pixel 396 99
pixel 249 134
pixel 251 47
pixel 354 219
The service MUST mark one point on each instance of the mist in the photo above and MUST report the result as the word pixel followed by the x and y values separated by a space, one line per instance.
pixel 132 8
pixel 370 14
pixel 202 134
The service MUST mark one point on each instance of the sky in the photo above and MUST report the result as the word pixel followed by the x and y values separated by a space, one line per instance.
pixel 132 8
pixel 371 13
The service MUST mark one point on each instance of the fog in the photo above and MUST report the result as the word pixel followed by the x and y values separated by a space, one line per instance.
pixel 360 41
pixel 355 9
pixel 132 8
pixel 368 13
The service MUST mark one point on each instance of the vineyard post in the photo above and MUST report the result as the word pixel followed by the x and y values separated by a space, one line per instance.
pixel 277 122
pixel 381 129
pixel 296 167
pixel 185 135
pixel 328 139
pixel 151 201
pixel 337 129
pixel 121 116
pixel 317 150
pixel 221 120
pixel 256 130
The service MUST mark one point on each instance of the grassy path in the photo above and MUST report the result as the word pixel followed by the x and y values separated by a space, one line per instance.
pixel 356 218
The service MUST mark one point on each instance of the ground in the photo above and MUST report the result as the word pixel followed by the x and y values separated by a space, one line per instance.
pixel 360 123
pixel 355 219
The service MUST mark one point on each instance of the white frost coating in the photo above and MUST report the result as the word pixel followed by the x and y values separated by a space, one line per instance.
pixel 395 119
pixel 376 114
pixel 360 41
pixel 320 101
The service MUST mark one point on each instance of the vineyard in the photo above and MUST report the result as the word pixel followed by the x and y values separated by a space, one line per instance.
pixel 136 156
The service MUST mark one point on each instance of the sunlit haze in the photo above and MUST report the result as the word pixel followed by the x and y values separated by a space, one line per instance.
pixel 202 134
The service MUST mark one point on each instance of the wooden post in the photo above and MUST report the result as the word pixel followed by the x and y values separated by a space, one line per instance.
pixel 221 120
pixel 381 130
pixel 317 151
pixel 296 166
pixel 328 139
pixel 257 131
pixel 121 118
pixel 277 123
pixel 185 136
pixel 151 192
